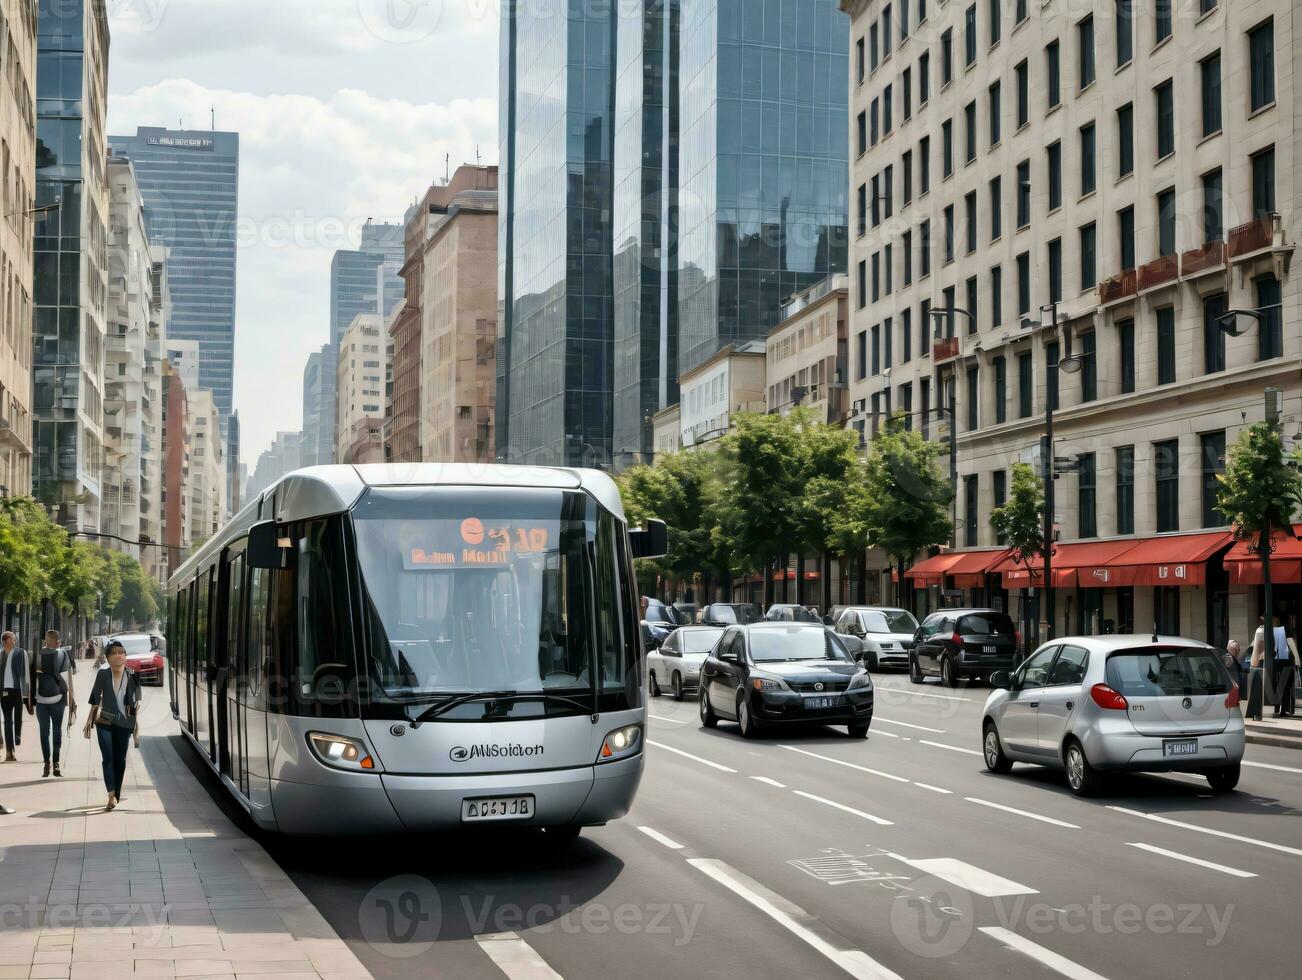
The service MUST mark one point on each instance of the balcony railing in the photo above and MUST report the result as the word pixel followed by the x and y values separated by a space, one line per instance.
pixel 1161 270
pixel 1202 258
pixel 1117 287
pixel 944 349
pixel 1252 236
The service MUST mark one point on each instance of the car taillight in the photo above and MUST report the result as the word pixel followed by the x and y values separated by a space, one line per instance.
pixel 1107 698
pixel 956 640
pixel 1232 699
pixel 1017 639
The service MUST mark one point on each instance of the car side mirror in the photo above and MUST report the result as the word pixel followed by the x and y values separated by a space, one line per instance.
pixel 1002 680
pixel 651 541
pixel 729 658
pixel 266 548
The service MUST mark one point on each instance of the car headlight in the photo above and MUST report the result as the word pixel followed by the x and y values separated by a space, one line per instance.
pixel 767 682
pixel 860 681
pixel 621 743
pixel 342 752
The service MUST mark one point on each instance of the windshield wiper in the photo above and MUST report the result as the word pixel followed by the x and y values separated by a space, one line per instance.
pixel 493 696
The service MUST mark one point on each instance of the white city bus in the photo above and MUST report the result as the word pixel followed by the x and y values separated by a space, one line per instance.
pixel 389 648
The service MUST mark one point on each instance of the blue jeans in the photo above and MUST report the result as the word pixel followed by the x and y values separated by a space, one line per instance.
pixel 50 716
pixel 113 744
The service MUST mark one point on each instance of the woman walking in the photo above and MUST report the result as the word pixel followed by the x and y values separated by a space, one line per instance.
pixel 50 695
pixel 115 701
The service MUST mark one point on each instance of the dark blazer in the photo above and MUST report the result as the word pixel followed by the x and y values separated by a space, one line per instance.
pixel 101 693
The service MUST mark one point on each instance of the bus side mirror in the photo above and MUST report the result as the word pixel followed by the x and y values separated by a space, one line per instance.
pixel 265 548
pixel 651 541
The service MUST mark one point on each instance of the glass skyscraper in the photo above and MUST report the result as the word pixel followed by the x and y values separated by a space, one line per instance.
pixel 645 222
pixel 555 279
pixel 764 147
pixel 361 278
pixel 189 180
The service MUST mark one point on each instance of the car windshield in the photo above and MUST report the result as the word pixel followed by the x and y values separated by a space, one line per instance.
pixel 797 614
pixel 135 645
pixel 890 621
pixel 489 590
pixel 777 644
pixel 1151 672
pixel 656 613
pixel 698 641
pixel 738 614
pixel 986 624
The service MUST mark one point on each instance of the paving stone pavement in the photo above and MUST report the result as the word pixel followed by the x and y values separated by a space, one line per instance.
pixel 163 886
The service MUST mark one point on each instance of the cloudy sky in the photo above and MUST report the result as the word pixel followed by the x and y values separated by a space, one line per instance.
pixel 346 109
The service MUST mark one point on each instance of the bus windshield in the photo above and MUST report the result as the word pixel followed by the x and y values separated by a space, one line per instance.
pixel 491 589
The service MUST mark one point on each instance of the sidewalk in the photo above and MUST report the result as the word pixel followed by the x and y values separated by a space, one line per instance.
pixel 164 886
pixel 1283 733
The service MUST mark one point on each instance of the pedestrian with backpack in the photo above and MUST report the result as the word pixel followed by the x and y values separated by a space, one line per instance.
pixel 51 695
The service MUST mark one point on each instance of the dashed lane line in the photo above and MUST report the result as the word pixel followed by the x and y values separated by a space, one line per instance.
pixel 1236 872
pixel 768 781
pixel 969 877
pixel 1023 813
pixel 516 958
pixel 934 789
pixel 1046 957
pixel 922 694
pixel 688 755
pixel 655 835
pixel 1271 845
pixel 880 821
pixel 1268 765
pixel 952 748
pixel 848 765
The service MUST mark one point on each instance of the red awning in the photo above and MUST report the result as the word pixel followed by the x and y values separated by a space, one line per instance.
pixel 931 571
pixel 1073 564
pixel 970 571
pixel 1244 566
pixel 1173 559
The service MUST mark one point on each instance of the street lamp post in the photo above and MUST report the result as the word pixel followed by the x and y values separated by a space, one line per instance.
pixel 938 315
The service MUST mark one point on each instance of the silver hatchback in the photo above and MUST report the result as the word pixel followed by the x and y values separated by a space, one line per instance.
pixel 1091 704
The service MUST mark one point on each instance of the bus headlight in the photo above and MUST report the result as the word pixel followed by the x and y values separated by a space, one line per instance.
pixel 342 752
pixel 621 743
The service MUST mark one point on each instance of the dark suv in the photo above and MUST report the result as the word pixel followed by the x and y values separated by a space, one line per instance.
pixel 955 643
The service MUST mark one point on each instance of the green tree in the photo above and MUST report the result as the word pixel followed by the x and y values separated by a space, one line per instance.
pixel 1020 522
pixel 832 506
pixel 136 603
pixel 908 495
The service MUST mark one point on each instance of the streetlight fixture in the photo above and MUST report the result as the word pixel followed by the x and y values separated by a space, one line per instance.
pixel 43 209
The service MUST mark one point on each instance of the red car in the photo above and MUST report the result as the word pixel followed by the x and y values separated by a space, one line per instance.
pixel 142 656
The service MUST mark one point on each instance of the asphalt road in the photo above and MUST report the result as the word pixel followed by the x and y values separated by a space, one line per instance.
pixel 810 854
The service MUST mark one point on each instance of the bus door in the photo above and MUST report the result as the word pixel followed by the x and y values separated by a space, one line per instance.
pixel 202 678
pixel 230 673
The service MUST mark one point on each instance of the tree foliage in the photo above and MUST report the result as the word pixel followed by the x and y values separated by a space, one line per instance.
pixel 1020 521
pixel 1261 486
pixel 683 490
pixel 907 493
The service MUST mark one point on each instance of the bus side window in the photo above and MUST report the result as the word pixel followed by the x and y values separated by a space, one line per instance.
pixel 326 675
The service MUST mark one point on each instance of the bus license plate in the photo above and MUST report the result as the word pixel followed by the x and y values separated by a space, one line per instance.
pixel 820 702
pixel 1184 746
pixel 497 808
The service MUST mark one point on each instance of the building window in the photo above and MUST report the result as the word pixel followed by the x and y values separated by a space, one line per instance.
pixel 906 94
pixel 994 94
pixel 1161 20
pixel 886 31
pixel 1206 6
pixel 906 337
pixel 858 60
pixel 1023 94
pixel 906 405
pixel 1125 140
pixel 1054 158
pixel 1214 307
pixel 996 208
pixel 888 265
pixel 862 128
pixel 970 36
pixel 999 492
pixel 872 48
pixel 1210 70
pixel 863 283
pixel 906 177
pixel 1088 177
pixel 970 134
pixel 1213 457
pixel 1270 332
pixel 1263 183
pixel 996 296
pixel 1089 368
pixel 1053 65
pixel 904 18
pixel 873 114
pixel 888 190
pixel 1025 386
pixel 924 165
pixel 1125 32
pixel 1088 263
pixel 1166 222
pixel 1052 376
pixel 888 337
pixel 1166 468
pixel 970 511
pixel 1085 41
pixel 1166 345
pixel 888 101
pixel 1126 342
pixel 1086 503
pixel 861 202
pixel 877 276
pixel 1213 225
pixel 1021 13
pixel 1055 271
pixel 924 77
pixel 924 411
pixel 861 355
pixel 1024 284
pixel 1261 53
pixel 1001 390
pixel 947 147
pixel 970 206
pixel 972 304
pixel 973 399
pixel 1165 96
pixel 1023 193
pixel 946 57
pixel 924 330
pixel 1126 232
pixel 906 246
pixel 949 233
pixel 876 334
pixel 995 15
pixel 1125 489
pixel 924 250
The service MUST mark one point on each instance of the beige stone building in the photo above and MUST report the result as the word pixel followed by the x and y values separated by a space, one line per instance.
pixel 458 318
pixel 666 430
pixel 207 487
pixel 731 381
pixel 359 386
pixel 807 353
pixel 17 180
pixel 1134 174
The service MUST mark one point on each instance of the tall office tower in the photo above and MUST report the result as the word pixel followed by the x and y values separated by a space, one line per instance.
pixel 317 443
pixel 645 223
pixel 233 481
pixel 71 275
pixel 18 135
pixel 555 328
pixel 764 182
pixel 189 179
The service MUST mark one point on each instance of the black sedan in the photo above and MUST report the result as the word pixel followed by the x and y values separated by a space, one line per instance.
pixel 767 674
pixel 958 643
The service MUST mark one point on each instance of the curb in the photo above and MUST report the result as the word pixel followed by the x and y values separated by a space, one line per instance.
pixel 1280 741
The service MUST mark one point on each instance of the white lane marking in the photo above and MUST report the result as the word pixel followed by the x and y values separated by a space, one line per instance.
pixel 935 789
pixel 655 835
pixel 1267 765
pixel 968 876
pixel 1047 957
pixel 514 957
pixel 796 920
pixel 672 721
pixel 1192 860
pixel 905 724
pixel 848 765
pixel 688 755
pixel 922 694
pixel 769 781
pixel 1284 849
pixel 1023 813
pixel 952 748
pixel 847 809
pixel 889 734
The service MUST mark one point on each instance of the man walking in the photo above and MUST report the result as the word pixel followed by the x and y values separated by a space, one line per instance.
pixel 13 691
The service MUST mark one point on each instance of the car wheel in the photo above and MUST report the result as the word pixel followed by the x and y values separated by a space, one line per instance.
pixel 708 718
pixel 1083 778
pixel 915 671
pixel 651 683
pixel 993 750
pixel 948 677
pixel 749 726
pixel 678 686
pixel 870 660
pixel 857 731
pixel 1224 779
